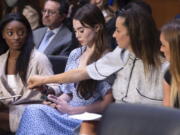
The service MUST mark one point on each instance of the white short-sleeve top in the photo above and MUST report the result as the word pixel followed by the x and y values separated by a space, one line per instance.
pixel 131 85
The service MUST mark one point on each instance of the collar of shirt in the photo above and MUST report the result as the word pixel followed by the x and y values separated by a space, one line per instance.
pixel 55 31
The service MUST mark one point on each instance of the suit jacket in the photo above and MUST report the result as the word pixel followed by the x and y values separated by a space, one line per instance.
pixel 61 44
pixel 38 65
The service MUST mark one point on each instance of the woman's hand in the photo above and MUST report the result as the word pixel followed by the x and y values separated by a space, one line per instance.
pixel 64 107
pixel 35 81
pixel 49 104
pixel 61 104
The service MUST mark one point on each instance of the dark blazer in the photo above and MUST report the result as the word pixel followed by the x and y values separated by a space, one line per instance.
pixel 61 43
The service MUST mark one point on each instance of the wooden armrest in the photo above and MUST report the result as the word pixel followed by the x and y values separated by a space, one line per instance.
pixel 89 128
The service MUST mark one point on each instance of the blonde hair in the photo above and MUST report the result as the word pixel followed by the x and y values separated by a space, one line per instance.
pixel 171 32
pixel 174 93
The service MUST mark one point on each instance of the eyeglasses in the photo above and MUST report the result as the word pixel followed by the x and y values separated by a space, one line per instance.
pixel 49 12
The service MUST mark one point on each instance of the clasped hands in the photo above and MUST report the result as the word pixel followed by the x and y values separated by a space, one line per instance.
pixel 59 103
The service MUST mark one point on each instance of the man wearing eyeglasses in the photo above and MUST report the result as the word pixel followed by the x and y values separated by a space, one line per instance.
pixel 55 38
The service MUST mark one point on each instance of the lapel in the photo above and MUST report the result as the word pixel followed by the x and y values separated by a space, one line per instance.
pixel 57 40
pixel 31 64
pixel 40 36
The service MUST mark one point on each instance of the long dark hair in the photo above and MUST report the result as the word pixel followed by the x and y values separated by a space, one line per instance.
pixel 143 33
pixel 24 57
pixel 90 16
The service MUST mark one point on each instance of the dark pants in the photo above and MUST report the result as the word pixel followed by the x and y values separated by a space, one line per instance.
pixel 4 120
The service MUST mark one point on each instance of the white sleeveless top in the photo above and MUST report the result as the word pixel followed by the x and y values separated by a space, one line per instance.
pixel 12 82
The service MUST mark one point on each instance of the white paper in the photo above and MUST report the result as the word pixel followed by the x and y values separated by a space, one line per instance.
pixel 86 116
pixel 3 98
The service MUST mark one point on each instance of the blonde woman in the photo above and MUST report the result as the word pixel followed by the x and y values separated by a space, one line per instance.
pixel 170 39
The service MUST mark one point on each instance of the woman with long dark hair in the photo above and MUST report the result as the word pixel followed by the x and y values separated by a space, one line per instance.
pixel 19 61
pixel 84 96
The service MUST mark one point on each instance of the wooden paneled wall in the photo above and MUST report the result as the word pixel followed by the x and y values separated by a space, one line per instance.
pixel 164 10
pixel 41 3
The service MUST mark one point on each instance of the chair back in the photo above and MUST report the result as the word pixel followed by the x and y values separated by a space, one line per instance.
pixel 58 63
pixel 134 119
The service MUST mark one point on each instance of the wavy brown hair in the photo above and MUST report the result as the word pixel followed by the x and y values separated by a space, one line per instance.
pixel 90 16
pixel 171 33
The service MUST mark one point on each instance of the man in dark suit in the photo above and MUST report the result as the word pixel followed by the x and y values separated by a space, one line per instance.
pixel 55 38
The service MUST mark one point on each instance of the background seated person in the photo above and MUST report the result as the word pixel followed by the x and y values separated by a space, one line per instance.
pixel 55 38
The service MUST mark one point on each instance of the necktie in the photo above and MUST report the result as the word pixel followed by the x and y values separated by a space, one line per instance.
pixel 45 41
